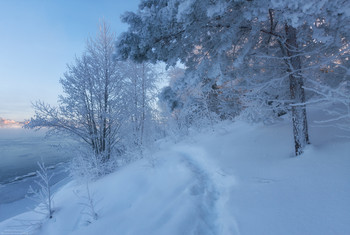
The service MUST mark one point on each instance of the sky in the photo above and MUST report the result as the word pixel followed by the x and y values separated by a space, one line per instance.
pixel 38 38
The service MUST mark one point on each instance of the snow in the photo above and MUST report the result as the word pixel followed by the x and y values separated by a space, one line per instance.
pixel 236 178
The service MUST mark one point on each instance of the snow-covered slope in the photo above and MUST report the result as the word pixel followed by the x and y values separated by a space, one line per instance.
pixel 238 179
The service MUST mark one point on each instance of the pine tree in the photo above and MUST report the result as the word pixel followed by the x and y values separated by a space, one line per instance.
pixel 261 46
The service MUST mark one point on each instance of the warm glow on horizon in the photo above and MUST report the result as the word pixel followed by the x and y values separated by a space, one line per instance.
pixel 7 123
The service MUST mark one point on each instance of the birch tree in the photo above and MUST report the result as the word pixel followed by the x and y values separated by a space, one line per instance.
pixel 141 89
pixel 91 108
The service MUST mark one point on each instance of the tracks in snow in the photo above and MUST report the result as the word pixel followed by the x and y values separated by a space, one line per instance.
pixel 211 190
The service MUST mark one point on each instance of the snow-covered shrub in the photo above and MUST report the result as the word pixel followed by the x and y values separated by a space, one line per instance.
pixel 43 195
pixel 86 168
pixel 88 202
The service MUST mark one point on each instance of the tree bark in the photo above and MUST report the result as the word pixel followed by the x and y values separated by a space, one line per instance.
pixel 143 103
pixel 297 93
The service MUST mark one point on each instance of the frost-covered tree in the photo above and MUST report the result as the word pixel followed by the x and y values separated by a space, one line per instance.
pixel 140 88
pixel 307 35
pixel 43 195
pixel 91 108
pixel 334 102
pixel 202 98
pixel 187 104
pixel 84 171
pixel 265 47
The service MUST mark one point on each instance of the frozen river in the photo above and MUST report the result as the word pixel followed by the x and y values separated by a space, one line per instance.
pixel 20 150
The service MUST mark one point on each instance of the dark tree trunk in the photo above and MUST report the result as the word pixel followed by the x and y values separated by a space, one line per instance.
pixel 297 93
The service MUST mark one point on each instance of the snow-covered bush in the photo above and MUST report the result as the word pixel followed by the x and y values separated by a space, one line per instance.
pixel 86 168
pixel 43 195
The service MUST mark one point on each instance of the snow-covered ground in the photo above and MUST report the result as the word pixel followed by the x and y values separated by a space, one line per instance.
pixel 13 198
pixel 20 150
pixel 238 179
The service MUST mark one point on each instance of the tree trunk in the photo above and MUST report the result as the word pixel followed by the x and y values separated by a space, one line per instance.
pixel 143 103
pixel 297 93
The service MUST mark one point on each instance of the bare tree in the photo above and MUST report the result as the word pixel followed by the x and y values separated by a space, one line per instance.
pixel 141 89
pixel 43 195
pixel 91 108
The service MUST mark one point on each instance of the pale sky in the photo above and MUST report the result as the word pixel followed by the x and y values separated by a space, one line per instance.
pixel 38 38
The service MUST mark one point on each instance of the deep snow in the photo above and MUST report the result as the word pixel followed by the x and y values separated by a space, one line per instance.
pixel 238 179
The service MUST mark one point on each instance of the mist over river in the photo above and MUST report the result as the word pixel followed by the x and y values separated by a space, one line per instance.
pixel 20 150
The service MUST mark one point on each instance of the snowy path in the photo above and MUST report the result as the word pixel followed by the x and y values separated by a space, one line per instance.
pixel 211 188
pixel 240 180
pixel 184 193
